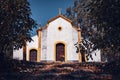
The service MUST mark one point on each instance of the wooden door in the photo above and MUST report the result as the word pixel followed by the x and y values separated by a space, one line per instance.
pixel 60 52
pixel 33 55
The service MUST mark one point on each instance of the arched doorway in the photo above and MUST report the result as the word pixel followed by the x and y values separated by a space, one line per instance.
pixel 33 55
pixel 60 52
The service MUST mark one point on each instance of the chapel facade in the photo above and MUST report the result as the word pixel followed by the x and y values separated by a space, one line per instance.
pixel 55 42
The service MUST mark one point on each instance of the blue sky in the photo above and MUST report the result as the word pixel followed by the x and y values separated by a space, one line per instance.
pixel 43 10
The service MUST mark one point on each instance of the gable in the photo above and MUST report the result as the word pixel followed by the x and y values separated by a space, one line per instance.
pixel 70 21
pixel 59 22
pixel 63 18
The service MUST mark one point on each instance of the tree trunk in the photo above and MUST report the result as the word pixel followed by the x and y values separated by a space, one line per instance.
pixel 1 53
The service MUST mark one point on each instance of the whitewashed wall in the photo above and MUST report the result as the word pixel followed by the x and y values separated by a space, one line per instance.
pixel 65 36
pixel 18 54
pixel 96 55
pixel 32 45
pixel 74 41
pixel 44 45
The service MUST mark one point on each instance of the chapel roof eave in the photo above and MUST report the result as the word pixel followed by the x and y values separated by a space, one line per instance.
pixel 60 15
pixel 42 28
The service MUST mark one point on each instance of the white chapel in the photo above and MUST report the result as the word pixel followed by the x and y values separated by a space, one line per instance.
pixel 55 42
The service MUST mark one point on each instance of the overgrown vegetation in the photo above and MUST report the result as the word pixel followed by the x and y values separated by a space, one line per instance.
pixel 99 21
pixel 15 24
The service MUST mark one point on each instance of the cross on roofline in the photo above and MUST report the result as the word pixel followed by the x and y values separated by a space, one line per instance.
pixel 60 11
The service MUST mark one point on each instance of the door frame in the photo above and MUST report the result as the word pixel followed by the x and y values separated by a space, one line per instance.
pixel 65 49
pixel 28 56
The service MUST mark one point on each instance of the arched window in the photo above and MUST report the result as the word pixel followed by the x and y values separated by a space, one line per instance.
pixel 33 55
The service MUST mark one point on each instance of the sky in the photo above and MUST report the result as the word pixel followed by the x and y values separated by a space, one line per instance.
pixel 43 10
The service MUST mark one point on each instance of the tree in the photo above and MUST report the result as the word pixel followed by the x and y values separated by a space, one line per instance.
pixel 99 21
pixel 15 24
pixel 106 19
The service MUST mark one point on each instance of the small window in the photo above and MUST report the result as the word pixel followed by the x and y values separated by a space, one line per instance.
pixel 59 28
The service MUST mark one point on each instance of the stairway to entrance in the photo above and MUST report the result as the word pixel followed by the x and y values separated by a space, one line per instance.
pixel 62 71
pixel 54 71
